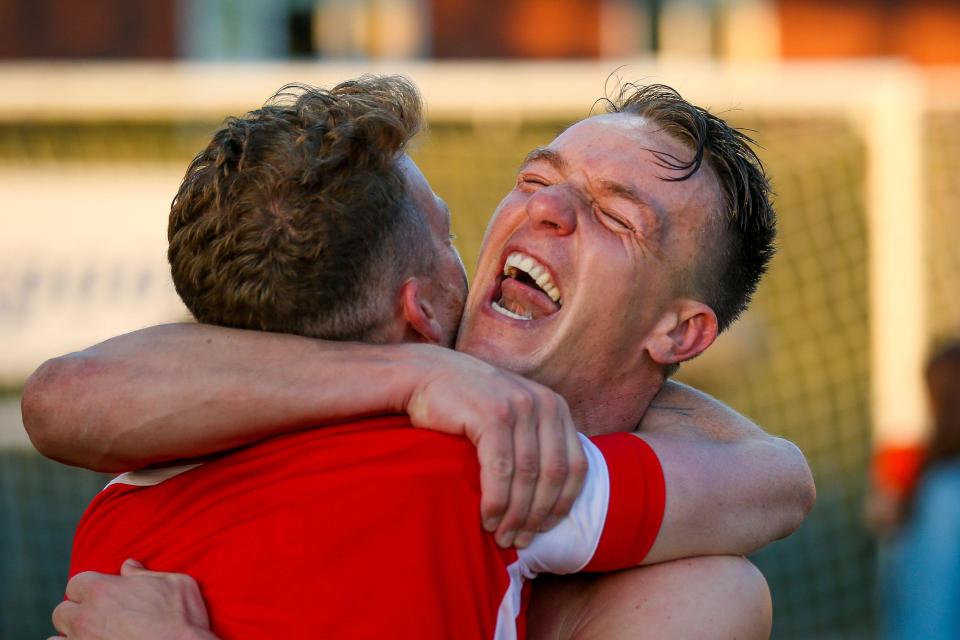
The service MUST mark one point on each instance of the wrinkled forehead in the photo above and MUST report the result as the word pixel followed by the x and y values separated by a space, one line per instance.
pixel 624 122
pixel 638 153
pixel 632 137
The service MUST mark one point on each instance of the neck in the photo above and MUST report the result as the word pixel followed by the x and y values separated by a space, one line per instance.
pixel 615 408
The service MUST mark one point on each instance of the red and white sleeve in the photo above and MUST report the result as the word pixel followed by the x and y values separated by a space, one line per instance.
pixel 616 518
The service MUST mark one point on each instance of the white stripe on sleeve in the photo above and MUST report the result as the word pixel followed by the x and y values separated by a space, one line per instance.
pixel 570 545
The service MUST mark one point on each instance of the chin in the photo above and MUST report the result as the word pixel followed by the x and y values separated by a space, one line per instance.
pixel 493 352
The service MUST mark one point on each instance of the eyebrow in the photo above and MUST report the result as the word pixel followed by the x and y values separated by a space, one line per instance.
pixel 630 194
pixel 624 191
pixel 543 154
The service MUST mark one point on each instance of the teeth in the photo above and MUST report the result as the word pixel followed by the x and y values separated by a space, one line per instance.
pixel 510 314
pixel 518 261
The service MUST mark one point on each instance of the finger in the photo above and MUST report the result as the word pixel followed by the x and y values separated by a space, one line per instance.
pixel 64 616
pixel 495 452
pixel 526 470
pixel 419 409
pixel 554 470
pixel 131 567
pixel 577 473
pixel 80 585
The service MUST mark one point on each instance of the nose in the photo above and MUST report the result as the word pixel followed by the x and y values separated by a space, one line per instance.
pixel 553 209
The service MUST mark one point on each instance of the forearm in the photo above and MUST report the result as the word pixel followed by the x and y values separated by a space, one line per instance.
pixel 716 597
pixel 186 390
pixel 731 487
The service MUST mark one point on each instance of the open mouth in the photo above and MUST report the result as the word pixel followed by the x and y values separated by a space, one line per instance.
pixel 526 289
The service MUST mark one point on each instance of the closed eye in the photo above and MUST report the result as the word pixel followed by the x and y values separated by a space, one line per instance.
pixel 526 180
pixel 614 221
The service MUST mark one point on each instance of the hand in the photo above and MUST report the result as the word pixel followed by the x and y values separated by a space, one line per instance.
pixel 532 464
pixel 137 604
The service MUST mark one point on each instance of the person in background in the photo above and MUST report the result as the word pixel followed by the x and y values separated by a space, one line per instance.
pixel 922 574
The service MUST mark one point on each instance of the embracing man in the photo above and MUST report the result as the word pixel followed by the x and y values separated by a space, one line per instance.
pixel 626 245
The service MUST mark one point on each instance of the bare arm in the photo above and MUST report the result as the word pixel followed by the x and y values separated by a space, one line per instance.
pixel 731 487
pixel 180 391
pixel 177 391
pixel 187 390
pixel 712 597
pixel 728 485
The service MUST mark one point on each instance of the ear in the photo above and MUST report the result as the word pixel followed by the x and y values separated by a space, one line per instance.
pixel 421 322
pixel 682 333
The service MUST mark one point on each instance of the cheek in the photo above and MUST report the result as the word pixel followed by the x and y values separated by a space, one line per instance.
pixel 620 289
pixel 504 220
pixel 459 288
pixel 508 217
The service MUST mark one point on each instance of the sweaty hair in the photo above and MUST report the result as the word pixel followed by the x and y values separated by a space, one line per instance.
pixel 296 218
pixel 726 278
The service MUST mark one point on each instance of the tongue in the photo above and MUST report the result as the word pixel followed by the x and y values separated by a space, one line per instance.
pixel 525 299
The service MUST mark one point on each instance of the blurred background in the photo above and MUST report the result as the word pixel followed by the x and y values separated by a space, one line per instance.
pixel 855 106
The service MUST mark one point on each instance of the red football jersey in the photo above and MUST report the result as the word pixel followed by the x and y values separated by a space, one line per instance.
pixel 362 530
